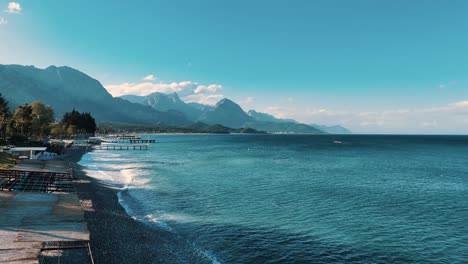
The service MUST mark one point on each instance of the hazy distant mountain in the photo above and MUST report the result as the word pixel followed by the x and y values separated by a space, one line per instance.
pixel 283 127
pixel 332 129
pixel 166 102
pixel 267 117
pixel 226 113
pixel 65 88
pixel 220 129
pixel 337 129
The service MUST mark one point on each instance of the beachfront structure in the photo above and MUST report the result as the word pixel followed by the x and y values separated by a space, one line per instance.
pixel 40 212
pixel 32 224
pixel 30 152
pixel 52 176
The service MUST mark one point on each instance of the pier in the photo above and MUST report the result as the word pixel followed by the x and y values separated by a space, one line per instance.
pixel 122 137
pixel 129 141
pixel 136 141
pixel 126 139
pixel 122 147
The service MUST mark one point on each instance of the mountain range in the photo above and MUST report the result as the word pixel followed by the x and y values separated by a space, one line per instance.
pixel 230 114
pixel 65 88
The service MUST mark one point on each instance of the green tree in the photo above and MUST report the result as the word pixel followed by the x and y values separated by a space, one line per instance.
pixel 75 122
pixel 22 120
pixel 72 129
pixel 5 115
pixel 58 130
pixel 42 119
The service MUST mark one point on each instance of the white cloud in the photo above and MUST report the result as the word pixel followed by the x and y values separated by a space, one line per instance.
pixel 290 99
pixel 146 88
pixel 13 8
pixel 451 118
pixel 208 99
pixel 3 21
pixel 280 112
pixel 460 104
pixel 188 90
pixel 248 100
pixel 212 88
pixel 149 78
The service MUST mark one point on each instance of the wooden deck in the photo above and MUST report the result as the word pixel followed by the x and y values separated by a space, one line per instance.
pixel 38 176
pixel 137 141
pixel 29 221
pixel 122 147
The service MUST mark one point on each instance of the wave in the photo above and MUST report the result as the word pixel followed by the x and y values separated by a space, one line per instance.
pixel 123 203
pixel 157 220
pixel 129 174
pixel 119 171
pixel 207 254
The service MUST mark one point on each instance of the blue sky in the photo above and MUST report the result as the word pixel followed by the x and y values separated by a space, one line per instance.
pixel 374 66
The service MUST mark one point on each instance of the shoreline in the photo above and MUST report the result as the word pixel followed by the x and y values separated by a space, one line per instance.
pixel 115 237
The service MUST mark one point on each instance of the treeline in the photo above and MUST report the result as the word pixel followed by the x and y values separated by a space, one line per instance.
pixel 75 122
pixel 127 128
pixel 37 121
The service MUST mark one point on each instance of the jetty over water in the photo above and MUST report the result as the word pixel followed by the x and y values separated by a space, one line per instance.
pixel 122 136
pixel 136 141
pixel 130 139
pixel 122 147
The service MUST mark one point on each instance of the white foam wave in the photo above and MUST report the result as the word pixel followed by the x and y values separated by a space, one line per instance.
pixel 125 206
pixel 111 170
pixel 207 254
pixel 158 221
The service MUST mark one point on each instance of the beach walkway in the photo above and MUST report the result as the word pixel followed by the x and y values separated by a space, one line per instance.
pixel 32 223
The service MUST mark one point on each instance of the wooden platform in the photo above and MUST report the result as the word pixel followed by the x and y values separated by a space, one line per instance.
pixel 129 141
pixel 30 220
pixel 121 147
pixel 38 176
pixel 137 141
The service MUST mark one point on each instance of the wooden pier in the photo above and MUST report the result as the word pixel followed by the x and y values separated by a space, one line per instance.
pixel 122 147
pixel 136 141
pixel 122 136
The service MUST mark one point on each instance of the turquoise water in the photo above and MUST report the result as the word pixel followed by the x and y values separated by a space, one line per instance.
pixel 298 198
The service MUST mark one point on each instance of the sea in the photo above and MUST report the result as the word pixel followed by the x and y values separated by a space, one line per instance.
pixel 298 198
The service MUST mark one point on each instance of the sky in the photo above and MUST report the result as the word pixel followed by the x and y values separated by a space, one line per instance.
pixel 373 66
